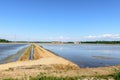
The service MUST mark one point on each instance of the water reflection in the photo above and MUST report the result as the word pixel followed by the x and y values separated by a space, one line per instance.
pixel 88 55
pixel 9 52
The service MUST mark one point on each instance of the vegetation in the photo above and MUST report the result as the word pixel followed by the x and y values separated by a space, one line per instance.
pixel 89 42
pixel 10 79
pixel 86 42
pixel 116 75
pixel 53 78
pixel 41 76
pixel 26 55
pixel 102 42
pixel 4 40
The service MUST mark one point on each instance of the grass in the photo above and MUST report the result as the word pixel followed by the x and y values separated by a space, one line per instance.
pixel 44 76
pixel 116 75
pixel 41 76
pixel 26 56
pixel 10 79
pixel 64 67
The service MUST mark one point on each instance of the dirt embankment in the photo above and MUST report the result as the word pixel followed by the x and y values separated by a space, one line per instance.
pixel 48 63
pixel 44 56
pixel 26 55
pixel 43 60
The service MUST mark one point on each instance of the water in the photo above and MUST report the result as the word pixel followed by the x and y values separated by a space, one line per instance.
pixel 32 53
pixel 88 55
pixel 8 52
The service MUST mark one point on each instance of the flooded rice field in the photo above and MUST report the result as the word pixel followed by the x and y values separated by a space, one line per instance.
pixel 11 52
pixel 87 55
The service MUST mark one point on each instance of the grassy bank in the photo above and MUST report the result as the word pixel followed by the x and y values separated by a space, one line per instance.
pixel 26 55
pixel 42 76
pixel 52 67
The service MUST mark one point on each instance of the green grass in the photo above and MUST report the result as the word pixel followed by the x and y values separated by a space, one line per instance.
pixel 115 76
pixel 43 77
pixel 10 79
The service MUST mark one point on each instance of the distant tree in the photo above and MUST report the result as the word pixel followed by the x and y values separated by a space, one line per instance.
pixel 102 42
pixel 3 40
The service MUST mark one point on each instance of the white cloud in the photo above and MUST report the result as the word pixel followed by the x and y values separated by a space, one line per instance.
pixel 104 37
pixel 90 36
pixel 57 38
pixel 61 37
pixel 111 36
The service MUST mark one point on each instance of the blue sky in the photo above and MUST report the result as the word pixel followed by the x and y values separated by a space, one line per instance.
pixel 60 20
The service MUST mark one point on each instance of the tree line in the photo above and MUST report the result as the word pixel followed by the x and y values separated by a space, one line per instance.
pixel 3 40
pixel 102 42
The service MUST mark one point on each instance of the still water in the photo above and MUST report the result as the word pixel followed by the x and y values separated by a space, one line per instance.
pixel 9 52
pixel 87 55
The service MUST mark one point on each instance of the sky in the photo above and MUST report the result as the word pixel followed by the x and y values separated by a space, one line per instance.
pixel 60 20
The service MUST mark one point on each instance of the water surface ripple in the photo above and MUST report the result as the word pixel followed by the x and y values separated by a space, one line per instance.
pixel 9 52
pixel 87 55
